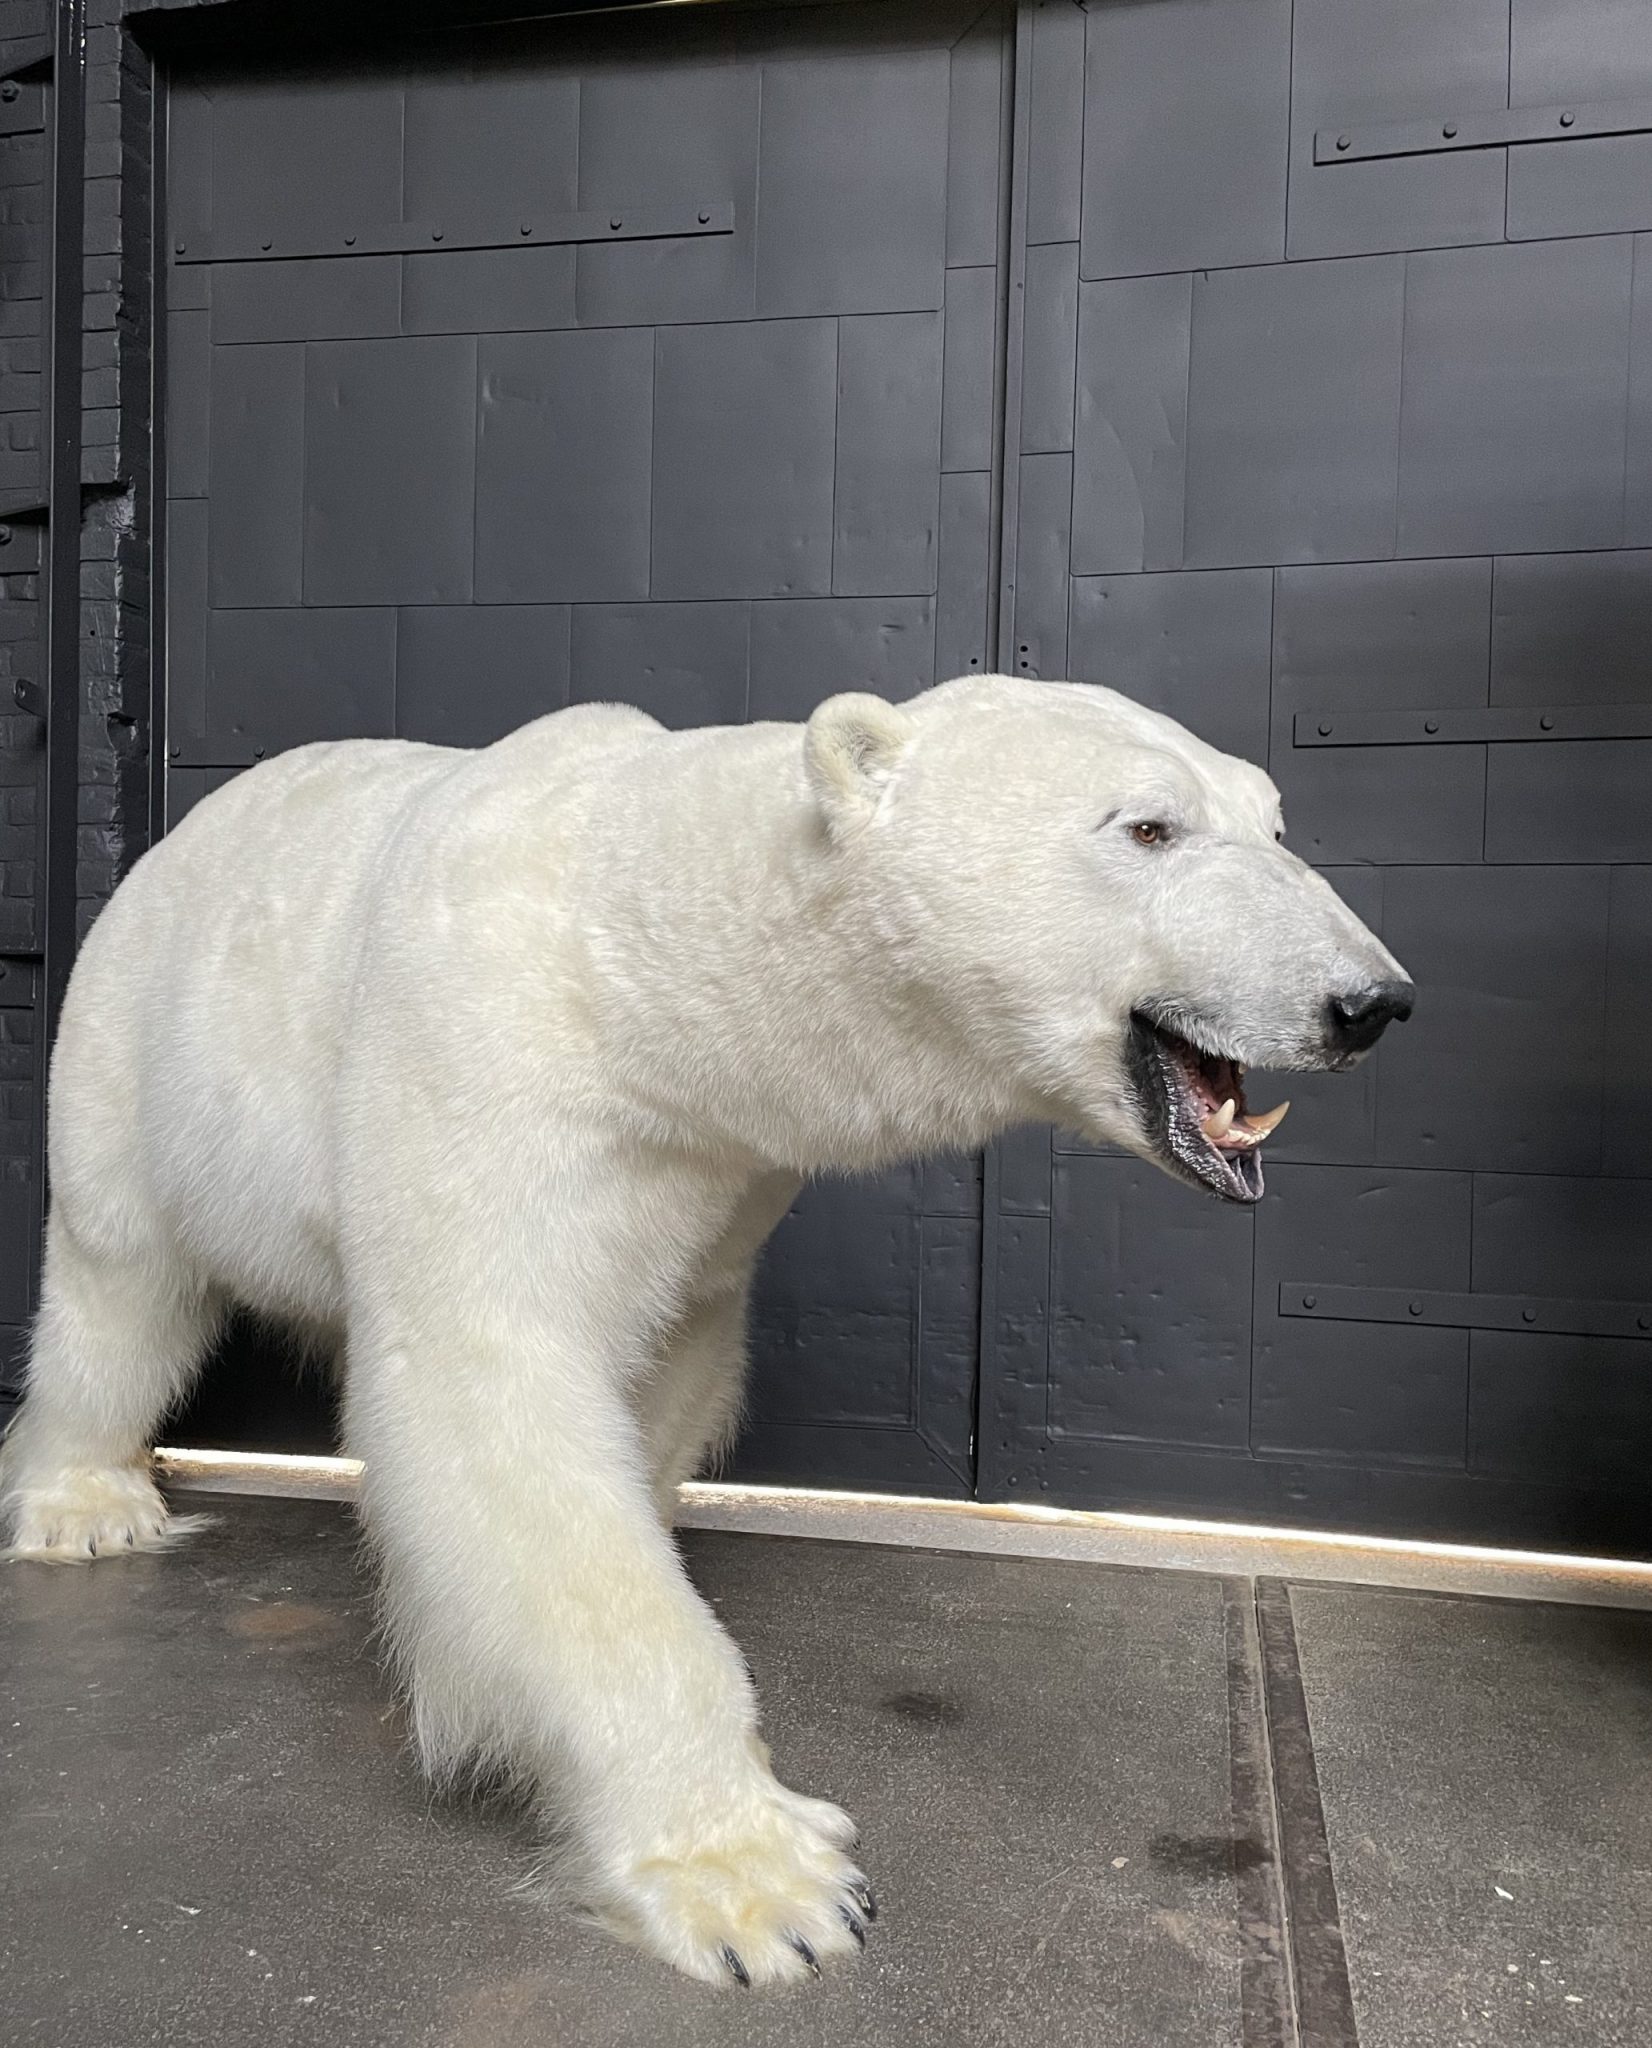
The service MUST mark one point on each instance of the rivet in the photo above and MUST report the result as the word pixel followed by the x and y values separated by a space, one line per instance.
pixel 1310 1301
pixel 1342 142
pixel 1431 725
pixel 1324 730
pixel 10 90
pixel 258 753
pixel 527 227
pixel 1643 1322
pixel 1416 1308
pixel 265 243
pixel 435 234
pixel 175 752
pixel 1449 130
pixel 177 248
pixel 1528 1315
pixel 616 222
pixel 1546 722
pixel 349 241
pixel 5 536
pixel 705 215
pixel 1566 120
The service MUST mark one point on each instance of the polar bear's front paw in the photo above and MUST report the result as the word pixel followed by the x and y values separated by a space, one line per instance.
pixel 765 1901
pixel 74 1517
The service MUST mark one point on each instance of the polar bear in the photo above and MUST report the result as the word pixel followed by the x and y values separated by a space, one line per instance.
pixel 501 1066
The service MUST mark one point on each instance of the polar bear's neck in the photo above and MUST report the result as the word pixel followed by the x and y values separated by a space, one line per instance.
pixel 739 983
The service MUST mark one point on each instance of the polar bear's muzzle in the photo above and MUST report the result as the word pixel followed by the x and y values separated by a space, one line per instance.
pixel 1194 1112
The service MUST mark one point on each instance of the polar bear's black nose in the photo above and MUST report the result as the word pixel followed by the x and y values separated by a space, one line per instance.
pixel 1359 1018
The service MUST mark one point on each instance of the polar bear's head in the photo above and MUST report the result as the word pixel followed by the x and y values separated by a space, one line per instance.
pixel 1099 906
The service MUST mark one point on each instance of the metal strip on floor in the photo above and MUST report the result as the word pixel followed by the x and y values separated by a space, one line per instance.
pixel 1322 1996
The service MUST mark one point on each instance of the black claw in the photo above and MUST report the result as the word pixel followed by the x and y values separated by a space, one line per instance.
pixel 736 1969
pixel 851 1920
pixel 811 1962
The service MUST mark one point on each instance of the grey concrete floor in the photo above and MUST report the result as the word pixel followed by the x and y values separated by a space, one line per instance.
pixel 1067 1776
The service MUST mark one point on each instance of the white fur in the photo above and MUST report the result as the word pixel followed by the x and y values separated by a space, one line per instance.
pixel 503 1066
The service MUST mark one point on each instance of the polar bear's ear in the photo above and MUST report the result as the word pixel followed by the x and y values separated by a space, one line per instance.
pixel 851 747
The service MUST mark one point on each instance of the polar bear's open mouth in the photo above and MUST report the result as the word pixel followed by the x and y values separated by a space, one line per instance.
pixel 1193 1106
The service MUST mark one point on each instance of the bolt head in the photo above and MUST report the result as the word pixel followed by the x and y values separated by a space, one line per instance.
pixel 705 215
pixel 349 241
pixel 1325 729
pixel 1528 1315
pixel 5 536
pixel 527 227
pixel 177 248
pixel 616 222
pixel 1416 1308
pixel 1546 722
pixel 1566 120
pixel 265 243
pixel 1342 142
pixel 1449 130
pixel 10 90
pixel 435 234
pixel 1431 725
pixel 1310 1301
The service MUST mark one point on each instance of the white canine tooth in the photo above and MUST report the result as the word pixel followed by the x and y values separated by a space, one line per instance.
pixel 1220 1121
pixel 1263 1125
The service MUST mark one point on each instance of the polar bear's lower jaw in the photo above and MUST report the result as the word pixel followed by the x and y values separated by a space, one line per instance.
pixel 1178 1086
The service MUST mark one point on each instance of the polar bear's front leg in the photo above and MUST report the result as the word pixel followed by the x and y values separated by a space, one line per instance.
pixel 544 1621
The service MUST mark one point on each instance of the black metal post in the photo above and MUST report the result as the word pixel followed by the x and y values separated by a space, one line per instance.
pixel 60 463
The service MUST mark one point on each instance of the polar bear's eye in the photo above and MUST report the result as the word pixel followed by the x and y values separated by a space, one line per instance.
pixel 1149 832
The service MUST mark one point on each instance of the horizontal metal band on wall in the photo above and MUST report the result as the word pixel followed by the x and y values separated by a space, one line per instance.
pixel 1544 1314
pixel 1497 725
pixel 407 238
pixel 236 751
pixel 1493 130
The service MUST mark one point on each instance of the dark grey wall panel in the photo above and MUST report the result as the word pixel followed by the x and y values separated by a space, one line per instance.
pixel 468 674
pixel 1294 412
pixel 1043 545
pixel 836 1305
pixel 1542 1407
pixel 189 124
pixel 1140 1277
pixel 685 664
pixel 1193 645
pixel 309 156
pixel 1381 636
pixel 743 459
pixel 964 575
pixel 1515 368
pixel 971 323
pixel 1571 629
pixel 1637 488
pixel 1378 1393
pixel 665 134
pixel 886 511
pixel 256 475
pixel 1386 61
pixel 389 470
pixel 564 448
pixel 1626 1122
pixel 1129 477
pixel 1055 139
pixel 1578 1239
pixel 478 144
pixel 1581 50
pixel 1513 960
pixel 356 296
pixel 973 150
pixel 852 177
pixel 501 291
pixel 1186 116
pixel 285 677
pixel 802 653
pixel 187 410
pixel 186 616
pixel 1048 363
